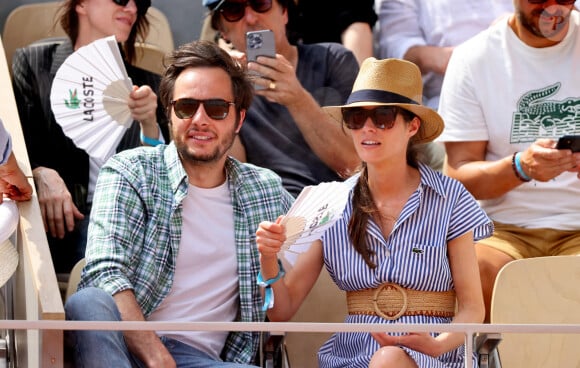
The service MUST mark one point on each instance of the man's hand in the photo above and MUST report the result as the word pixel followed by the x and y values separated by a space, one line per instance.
pixel 56 205
pixel 542 162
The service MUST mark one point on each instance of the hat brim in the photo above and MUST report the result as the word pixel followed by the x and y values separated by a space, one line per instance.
pixel 431 122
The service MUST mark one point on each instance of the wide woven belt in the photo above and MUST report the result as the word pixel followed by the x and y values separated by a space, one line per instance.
pixel 391 301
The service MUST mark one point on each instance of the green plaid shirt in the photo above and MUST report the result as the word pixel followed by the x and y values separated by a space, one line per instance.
pixel 135 230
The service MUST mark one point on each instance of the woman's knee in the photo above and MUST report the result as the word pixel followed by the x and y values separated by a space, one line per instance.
pixel 391 356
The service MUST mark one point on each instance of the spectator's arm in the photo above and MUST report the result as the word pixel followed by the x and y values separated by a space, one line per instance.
pixel 399 28
pixel 145 345
pixel 358 38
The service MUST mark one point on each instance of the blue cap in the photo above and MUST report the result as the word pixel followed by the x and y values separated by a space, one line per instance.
pixel 209 2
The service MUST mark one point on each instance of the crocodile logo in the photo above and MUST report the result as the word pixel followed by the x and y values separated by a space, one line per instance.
pixel 73 102
pixel 540 117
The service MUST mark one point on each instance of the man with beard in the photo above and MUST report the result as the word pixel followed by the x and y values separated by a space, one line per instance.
pixel 509 93
pixel 173 232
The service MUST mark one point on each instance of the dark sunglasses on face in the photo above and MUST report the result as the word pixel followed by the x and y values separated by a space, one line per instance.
pixel 233 11
pixel 559 2
pixel 142 5
pixel 215 108
pixel 383 117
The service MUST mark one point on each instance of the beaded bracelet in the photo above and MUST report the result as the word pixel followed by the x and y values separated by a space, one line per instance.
pixel 517 167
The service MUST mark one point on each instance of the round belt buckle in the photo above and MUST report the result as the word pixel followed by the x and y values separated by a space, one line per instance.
pixel 378 310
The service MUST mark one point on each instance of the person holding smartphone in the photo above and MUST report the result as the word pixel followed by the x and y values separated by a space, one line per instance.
pixel 509 93
pixel 286 129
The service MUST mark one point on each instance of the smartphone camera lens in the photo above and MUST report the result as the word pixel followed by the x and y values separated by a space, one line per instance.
pixel 255 41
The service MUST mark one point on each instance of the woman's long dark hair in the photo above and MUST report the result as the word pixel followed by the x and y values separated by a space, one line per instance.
pixel 364 206
pixel 69 21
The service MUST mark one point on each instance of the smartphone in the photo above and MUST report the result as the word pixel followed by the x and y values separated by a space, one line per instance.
pixel 571 142
pixel 260 43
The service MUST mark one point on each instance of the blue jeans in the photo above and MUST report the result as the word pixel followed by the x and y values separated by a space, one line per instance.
pixel 96 348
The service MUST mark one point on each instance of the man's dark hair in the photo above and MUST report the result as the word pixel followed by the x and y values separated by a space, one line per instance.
pixel 291 27
pixel 204 54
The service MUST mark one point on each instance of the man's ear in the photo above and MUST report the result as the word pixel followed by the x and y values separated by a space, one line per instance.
pixel 241 120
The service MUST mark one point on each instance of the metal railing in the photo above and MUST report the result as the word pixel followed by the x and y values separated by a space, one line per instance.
pixel 470 330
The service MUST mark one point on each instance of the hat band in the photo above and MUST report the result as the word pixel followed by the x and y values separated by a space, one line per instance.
pixel 377 95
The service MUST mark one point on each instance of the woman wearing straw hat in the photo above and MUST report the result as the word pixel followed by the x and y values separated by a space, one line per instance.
pixel 403 249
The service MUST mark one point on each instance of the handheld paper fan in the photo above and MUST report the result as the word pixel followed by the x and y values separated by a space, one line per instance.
pixel 315 210
pixel 89 97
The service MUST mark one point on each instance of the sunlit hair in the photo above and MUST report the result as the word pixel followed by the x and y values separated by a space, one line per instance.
pixel 69 21
pixel 364 206
pixel 199 54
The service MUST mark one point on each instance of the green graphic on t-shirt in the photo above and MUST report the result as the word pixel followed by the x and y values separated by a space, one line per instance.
pixel 537 117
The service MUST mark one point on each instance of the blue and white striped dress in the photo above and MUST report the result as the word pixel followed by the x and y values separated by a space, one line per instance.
pixel 414 256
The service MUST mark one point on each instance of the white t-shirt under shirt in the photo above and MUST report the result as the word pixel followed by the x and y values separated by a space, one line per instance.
pixel 500 90
pixel 205 287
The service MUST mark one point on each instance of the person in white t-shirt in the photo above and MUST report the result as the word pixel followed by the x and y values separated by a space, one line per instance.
pixel 172 238
pixel 508 95
pixel 425 32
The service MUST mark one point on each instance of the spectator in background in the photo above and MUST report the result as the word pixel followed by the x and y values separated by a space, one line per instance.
pixel 13 182
pixel 64 174
pixel 508 94
pixel 286 130
pixel 425 32
pixel 171 238
pixel 343 21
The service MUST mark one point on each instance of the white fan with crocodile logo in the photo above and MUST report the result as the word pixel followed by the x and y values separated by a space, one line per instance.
pixel 89 98
pixel 316 208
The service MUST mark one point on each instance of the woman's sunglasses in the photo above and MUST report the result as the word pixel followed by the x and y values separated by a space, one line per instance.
pixel 559 2
pixel 233 11
pixel 383 117
pixel 142 5
pixel 215 108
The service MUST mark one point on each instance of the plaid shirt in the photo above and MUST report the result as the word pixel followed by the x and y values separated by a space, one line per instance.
pixel 136 223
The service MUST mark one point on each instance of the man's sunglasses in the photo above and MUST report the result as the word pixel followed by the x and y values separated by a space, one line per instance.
pixel 559 2
pixel 215 108
pixel 233 11
pixel 383 117
pixel 142 5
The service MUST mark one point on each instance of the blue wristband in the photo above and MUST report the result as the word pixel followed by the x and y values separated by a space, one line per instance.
pixel 519 169
pixel 268 292
pixel 149 141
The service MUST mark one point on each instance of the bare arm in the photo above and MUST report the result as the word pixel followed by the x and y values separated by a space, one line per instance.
pixel 145 345
pixel 290 291
pixel 464 270
pixel 358 38
pixel 325 136
pixel 491 179
pixel 430 58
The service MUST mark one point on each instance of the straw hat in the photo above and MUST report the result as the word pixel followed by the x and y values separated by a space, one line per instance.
pixel 8 261
pixel 8 254
pixel 392 82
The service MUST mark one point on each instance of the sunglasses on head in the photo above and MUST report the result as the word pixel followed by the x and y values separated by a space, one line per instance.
pixel 142 5
pixel 383 117
pixel 215 108
pixel 559 2
pixel 233 11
